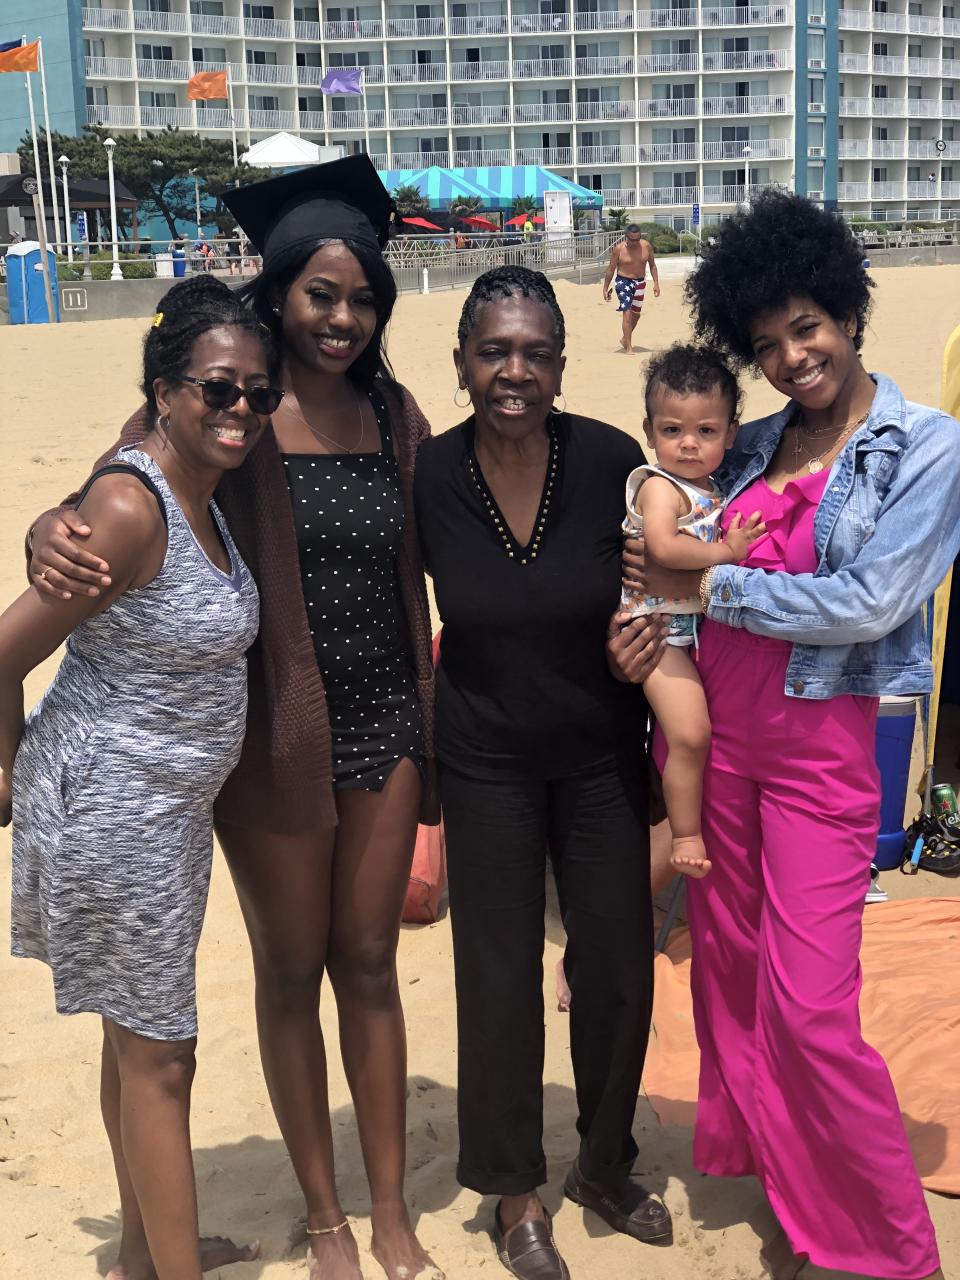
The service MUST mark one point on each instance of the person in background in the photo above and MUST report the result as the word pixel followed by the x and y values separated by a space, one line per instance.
pixel 114 773
pixel 627 273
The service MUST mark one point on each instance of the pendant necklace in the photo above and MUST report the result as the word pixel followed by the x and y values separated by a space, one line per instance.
pixel 315 431
pixel 815 462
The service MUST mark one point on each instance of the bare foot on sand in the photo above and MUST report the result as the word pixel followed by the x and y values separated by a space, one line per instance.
pixel 626 345
pixel 689 857
pixel 333 1256
pixel 397 1249
pixel 134 1262
pixel 563 989
pixel 779 1260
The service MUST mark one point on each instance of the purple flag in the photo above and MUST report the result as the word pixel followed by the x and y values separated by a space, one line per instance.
pixel 343 80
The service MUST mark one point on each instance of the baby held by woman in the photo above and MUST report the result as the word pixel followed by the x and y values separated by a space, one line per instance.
pixel 692 403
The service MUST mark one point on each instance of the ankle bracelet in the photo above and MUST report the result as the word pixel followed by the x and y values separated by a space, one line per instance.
pixel 327 1231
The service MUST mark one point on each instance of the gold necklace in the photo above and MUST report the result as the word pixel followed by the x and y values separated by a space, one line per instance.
pixel 815 463
pixel 825 431
pixel 340 447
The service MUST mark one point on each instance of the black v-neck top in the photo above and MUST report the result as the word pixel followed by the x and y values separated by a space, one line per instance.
pixel 523 679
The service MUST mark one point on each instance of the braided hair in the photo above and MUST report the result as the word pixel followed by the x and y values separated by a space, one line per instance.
pixel 186 312
pixel 510 282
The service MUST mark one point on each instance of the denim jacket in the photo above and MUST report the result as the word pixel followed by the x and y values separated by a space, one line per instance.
pixel 887 530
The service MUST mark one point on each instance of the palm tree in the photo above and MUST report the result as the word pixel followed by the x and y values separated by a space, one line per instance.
pixel 409 199
pixel 524 204
pixel 466 206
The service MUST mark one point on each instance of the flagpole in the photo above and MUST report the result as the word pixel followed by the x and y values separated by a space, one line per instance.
pixel 366 118
pixel 39 209
pixel 233 124
pixel 36 148
pixel 46 125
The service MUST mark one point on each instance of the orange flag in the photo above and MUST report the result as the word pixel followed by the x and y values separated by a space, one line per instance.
pixel 206 85
pixel 23 57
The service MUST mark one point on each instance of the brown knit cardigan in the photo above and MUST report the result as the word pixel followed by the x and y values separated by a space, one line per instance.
pixel 283 783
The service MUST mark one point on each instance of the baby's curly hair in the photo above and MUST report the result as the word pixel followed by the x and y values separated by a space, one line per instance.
pixel 783 247
pixel 691 369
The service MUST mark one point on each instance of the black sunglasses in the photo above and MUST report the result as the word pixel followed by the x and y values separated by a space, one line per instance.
pixel 217 393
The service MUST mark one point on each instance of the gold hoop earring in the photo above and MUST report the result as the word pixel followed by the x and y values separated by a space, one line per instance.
pixel 457 402
pixel 562 408
pixel 163 423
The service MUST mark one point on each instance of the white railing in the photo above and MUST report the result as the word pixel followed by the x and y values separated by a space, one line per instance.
pixel 919 24
pixel 922 190
pixel 416 72
pixel 525 23
pixel 666 152
pixel 409 28
pixel 420 159
pixel 145 20
pixel 542 112
pixel 737 193
pixel 885 66
pixel 763 104
pixel 416 117
pixel 619 197
pixel 607 155
pixel 163 69
pixel 494 24
pixel 951 26
pixel 760 149
pixel 268 28
pixel 950 190
pixel 604 20
pixel 667 195
pixel 853 190
pixel 220 118
pixel 313 121
pixel 357 120
pixel 889 148
pixel 890 106
pixel 658 19
pixel 160 117
pixel 106 19
pixel 498 69
pixel 667 108
pixel 656 63
pixel 214 25
pixel 928 151
pixel 748 60
pixel 108 68
pixel 889 22
pixel 951 110
pixel 856 106
pixel 771 15
pixel 269 73
pixel 855 20
pixel 854 62
pixel 886 190
pixel 923 66
pixel 604 66
pixel 951 68
pixel 272 119
pixel 540 68
pixel 606 110
pixel 483 159
pixel 854 148
pixel 545 155
pixel 308 31
pixel 310 76
pixel 369 29
pixel 494 114
pixel 125 117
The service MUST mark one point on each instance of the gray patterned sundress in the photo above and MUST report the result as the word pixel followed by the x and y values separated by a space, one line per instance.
pixel 114 783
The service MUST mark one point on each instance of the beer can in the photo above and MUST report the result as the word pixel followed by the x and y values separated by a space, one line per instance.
pixel 944 800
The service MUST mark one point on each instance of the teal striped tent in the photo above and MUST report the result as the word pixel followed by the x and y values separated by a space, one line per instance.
pixel 438 186
pixel 497 188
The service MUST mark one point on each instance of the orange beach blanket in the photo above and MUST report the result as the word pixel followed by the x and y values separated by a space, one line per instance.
pixel 910 1010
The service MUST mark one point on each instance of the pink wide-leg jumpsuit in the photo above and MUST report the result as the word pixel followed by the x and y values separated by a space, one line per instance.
pixel 789 1090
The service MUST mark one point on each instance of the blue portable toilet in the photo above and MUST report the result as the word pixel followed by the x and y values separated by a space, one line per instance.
pixel 26 296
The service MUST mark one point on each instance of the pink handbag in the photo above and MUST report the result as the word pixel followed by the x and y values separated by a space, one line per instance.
pixel 428 875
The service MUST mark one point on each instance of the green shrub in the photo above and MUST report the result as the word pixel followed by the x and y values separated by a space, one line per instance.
pixel 101 265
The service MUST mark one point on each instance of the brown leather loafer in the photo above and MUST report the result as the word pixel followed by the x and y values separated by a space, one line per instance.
pixel 630 1209
pixel 528 1250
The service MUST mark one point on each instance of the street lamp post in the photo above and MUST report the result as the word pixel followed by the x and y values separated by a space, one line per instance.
pixel 64 162
pixel 196 197
pixel 115 272
pixel 747 152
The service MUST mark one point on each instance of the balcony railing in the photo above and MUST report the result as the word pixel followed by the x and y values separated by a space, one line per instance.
pixel 951 68
pixel 666 152
pixel 771 15
pixel 269 73
pixel 310 77
pixel 357 121
pixel 928 150
pixel 369 29
pixel 540 68
pixel 921 25
pixel 951 110
pixel 656 63
pixel 145 20
pixel 607 155
pixel 660 19
pixel 855 20
pixel 313 121
pixel 494 24
pixel 307 31
pixel 106 20
pixel 735 194
pixel 498 69
pixel 220 118
pixel 853 190
pixel 160 117
pixel 619 197
pixel 545 155
pixel 951 26
pixel 889 148
pixel 483 159
pixel 748 60
pixel 886 191
pixel 884 66
pixel 162 69
pixel 604 20
pixel 214 25
pixel 760 149
pixel 763 104
pixel 410 28
pixel 923 66
pixel 667 108
pixel 854 62
pixel 525 23
pixel 604 66
pixel 125 117
pixel 417 117
pixel 922 190
pixel 268 28
pixel 496 114
pixel 420 159
pixel 856 106
pixel 950 190
pixel 416 72
pixel 607 110
pixel 542 112
pixel 656 196
pixel 854 149
pixel 108 68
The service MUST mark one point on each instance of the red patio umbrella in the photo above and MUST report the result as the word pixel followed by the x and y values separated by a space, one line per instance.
pixel 483 223
pixel 520 219
pixel 422 222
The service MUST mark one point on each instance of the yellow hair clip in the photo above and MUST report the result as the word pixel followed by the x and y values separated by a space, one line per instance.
pixel 158 320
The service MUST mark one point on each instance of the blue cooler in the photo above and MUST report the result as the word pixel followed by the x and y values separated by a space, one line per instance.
pixel 895 728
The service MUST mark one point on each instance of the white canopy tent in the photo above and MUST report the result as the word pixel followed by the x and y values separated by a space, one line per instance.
pixel 286 151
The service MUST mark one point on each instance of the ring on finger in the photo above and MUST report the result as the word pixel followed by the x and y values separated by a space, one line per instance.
pixel 42 577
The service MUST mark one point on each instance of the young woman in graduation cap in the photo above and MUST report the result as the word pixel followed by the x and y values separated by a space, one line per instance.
pixel 317 822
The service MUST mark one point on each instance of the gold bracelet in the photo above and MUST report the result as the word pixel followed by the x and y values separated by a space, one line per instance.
pixel 706 586
pixel 327 1231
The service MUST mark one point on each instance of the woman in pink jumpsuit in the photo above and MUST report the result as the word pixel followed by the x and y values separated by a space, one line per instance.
pixel 858 491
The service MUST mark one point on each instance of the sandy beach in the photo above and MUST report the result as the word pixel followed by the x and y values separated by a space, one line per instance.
pixel 64 394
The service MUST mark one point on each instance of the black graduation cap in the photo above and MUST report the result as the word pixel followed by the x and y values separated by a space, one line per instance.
pixel 342 200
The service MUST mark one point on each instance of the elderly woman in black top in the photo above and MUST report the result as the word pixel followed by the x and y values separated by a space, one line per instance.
pixel 541 752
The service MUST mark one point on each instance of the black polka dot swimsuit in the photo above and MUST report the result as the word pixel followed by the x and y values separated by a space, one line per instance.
pixel 349 519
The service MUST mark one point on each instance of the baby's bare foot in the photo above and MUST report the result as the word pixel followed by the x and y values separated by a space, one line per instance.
pixel 689 856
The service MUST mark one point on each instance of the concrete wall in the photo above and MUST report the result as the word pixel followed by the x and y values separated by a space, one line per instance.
pixel 57 23
pixel 104 300
pixel 927 256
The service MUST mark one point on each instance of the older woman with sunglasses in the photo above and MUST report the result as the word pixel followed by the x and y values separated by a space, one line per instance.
pixel 318 821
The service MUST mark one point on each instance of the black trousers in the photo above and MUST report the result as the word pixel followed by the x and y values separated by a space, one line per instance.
pixel 593 826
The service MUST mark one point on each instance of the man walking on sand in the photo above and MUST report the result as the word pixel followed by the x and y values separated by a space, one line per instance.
pixel 628 271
